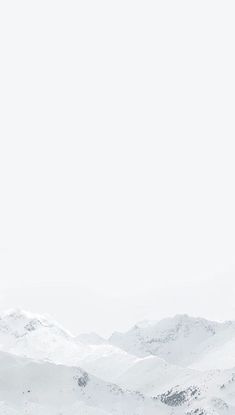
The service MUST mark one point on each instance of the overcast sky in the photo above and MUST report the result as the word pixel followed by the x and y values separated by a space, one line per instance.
pixel 117 161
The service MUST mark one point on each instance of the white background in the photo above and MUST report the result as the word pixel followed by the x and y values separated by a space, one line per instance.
pixel 117 160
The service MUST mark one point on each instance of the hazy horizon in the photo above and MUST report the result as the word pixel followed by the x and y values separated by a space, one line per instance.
pixel 197 298
pixel 117 160
pixel 31 315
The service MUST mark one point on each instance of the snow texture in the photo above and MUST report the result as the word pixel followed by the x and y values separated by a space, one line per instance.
pixel 177 366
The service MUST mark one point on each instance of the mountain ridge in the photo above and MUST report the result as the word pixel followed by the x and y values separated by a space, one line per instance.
pixel 176 366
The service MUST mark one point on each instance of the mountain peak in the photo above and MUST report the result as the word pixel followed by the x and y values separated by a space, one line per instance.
pixel 19 323
pixel 166 338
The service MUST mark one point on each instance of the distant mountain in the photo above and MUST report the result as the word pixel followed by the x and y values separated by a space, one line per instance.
pixel 38 337
pixel 18 323
pixel 91 338
pixel 181 340
pixel 177 366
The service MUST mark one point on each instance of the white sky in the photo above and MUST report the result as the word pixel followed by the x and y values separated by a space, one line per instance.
pixel 117 169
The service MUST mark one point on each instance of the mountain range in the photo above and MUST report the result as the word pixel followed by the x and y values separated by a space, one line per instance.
pixel 176 366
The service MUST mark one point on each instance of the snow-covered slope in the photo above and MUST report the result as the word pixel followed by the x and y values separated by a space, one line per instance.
pixel 152 375
pixel 40 338
pixel 91 338
pixel 219 355
pixel 181 340
pixel 17 323
pixel 35 336
pixel 204 393
pixel 178 366
pixel 31 387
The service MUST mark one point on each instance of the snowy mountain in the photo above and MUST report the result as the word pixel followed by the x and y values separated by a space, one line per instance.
pixel 40 338
pixel 37 337
pixel 18 323
pixel 181 340
pixel 177 366
pixel 34 387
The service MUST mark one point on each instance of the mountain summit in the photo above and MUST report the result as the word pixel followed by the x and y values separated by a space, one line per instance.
pixel 179 340
pixel 19 323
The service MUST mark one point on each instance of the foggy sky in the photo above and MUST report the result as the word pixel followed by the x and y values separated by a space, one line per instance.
pixel 117 160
